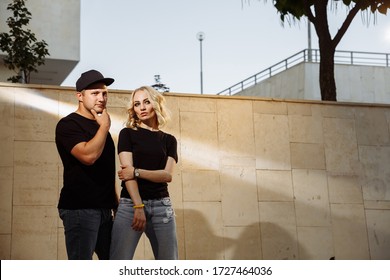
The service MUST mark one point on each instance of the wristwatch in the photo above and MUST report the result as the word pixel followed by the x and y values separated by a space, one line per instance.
pixel 136 173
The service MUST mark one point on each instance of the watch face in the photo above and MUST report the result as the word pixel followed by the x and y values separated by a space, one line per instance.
pixel 136 173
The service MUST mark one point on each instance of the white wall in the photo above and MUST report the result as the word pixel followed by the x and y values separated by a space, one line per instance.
pixel 58 23
pixel 366 84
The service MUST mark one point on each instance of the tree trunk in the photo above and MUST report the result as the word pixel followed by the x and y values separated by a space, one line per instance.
pixel 326 44
pixel 327 51
pixel 327 77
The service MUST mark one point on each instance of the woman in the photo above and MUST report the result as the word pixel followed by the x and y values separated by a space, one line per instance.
pixel 147 156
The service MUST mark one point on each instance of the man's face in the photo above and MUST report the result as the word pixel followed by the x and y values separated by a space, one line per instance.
pixel 94 97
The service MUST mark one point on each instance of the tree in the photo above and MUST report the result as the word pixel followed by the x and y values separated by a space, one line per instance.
pixel 317 13
pixel 24 52
pixel 159 86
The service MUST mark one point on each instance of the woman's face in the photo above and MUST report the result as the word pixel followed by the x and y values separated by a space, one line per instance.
pixel 143 107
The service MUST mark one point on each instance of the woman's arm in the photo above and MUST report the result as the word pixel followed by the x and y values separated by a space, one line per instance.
pixel 139 220
pixel 156 176
pixel 159 176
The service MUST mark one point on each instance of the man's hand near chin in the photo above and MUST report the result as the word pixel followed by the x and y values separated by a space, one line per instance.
pixel 103 118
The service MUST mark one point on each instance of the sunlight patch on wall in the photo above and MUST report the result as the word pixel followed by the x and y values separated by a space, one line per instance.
pixel 33 99
pixel 36 100
pixel 197 155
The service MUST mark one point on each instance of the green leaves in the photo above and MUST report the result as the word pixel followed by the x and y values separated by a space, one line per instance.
pixel 299 8
pixel 24 52
pixel 290 7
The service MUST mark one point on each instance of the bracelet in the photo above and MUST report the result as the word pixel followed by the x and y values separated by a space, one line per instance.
pixel 139 206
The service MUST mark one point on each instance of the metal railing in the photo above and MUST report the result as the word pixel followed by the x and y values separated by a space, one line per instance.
pixel 312 55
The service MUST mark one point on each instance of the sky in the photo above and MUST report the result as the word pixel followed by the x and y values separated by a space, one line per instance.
pixel 134 40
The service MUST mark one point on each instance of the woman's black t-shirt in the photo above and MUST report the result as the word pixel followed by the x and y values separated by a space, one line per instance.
pixel 150 150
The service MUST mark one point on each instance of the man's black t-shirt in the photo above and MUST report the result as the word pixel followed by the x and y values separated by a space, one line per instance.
pixel 85 186
pixel 150 150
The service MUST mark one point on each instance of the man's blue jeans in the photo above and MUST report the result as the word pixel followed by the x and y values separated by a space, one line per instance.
pixel 160 230
pixel 87 231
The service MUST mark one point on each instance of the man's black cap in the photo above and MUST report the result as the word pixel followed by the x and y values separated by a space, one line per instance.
pixel 91 77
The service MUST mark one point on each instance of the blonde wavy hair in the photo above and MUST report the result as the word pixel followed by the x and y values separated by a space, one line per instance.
pixel 159 105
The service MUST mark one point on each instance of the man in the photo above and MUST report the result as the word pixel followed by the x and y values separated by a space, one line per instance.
pixel 87 152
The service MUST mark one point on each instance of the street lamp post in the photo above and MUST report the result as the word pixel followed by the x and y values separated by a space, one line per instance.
pixel 309 39
pixel 200 36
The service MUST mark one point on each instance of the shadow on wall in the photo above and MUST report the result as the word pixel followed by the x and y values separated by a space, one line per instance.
pixel 206 242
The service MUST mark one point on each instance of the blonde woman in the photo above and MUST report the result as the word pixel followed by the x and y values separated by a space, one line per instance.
pixel 147 156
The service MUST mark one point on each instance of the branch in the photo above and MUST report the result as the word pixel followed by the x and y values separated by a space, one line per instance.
pixel 321 25
pixel 347 22
pixel 309 13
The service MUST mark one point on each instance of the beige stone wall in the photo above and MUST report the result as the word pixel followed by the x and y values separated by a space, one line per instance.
pixel 256 179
